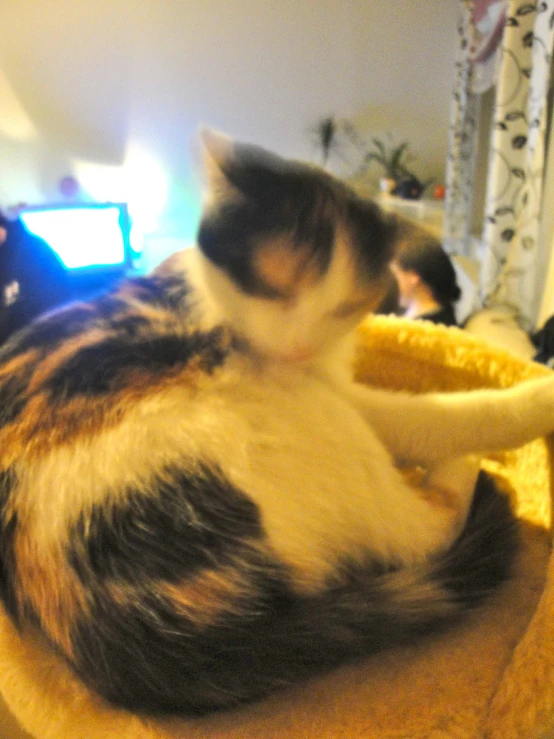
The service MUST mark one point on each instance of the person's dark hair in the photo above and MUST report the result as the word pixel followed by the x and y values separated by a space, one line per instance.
pixel 426 257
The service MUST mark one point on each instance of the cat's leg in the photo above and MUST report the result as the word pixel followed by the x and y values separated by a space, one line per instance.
pixel 456 479
pixel 447 489
pixel 424 429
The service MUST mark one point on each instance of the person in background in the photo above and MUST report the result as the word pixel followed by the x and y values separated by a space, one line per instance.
pixel 543 340
pixel 33 279
pixel 426 278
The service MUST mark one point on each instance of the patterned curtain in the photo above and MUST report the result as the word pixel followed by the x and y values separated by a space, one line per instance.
pixel 510 276
pixel 516 168
pixel 462 141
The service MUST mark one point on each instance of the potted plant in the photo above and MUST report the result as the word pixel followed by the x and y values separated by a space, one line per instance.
pixel 393 158
pixel 334 136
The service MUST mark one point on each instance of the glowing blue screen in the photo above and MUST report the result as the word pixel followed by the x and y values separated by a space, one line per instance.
pixel 81 236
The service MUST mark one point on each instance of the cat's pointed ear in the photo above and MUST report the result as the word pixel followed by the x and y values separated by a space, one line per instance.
pixel 235 169
pixel 217 150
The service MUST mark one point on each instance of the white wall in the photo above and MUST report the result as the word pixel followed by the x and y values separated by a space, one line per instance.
pixel 113 90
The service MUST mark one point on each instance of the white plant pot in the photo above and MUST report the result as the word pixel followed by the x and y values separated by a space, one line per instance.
pixel 387 185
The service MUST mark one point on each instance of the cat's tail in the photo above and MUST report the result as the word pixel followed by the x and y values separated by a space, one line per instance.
pixel 431 595
pixel 160 660
pixel 369 610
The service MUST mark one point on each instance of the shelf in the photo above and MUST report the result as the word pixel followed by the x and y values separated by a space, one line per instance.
pixel 430 213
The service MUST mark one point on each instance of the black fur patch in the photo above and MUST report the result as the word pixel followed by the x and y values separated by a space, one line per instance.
pixel 104 367
pixel 373 234
pixel 291 200
pixel 149 658
pixel 108 310
pixel 167 292
pixel 49 331
pixel 110 305
pixel 13 396
pixel 8 527
pixel 146 656
pixel 131 325
pixel 186 521
pixel 489 541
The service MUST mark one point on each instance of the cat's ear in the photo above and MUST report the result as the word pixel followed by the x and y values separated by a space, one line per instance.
pixel 233 169
pixel 217 151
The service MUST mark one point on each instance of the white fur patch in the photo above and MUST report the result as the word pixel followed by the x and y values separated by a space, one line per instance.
pixel 324 484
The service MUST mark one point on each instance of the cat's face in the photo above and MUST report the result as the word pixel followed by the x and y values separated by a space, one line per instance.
pixel 295 258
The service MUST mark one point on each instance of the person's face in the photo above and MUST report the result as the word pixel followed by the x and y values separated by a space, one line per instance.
pixel 3 235
pixel 407 283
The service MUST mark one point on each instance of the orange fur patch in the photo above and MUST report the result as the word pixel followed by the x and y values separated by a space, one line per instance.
pixel 56 358
pixel 208 595
pixel 18 363
pixel 43 425
pixel 439 497
pixel 52 590
pixel 203 597
pixel 284 269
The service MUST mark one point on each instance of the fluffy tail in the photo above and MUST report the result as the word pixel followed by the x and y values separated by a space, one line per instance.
pixel 153 659
pixel 432 595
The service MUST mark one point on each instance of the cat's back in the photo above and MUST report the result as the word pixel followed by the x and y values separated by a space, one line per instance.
pixel 112 399
pixel 79 371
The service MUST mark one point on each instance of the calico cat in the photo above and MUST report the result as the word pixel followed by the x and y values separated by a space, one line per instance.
pixel 197 504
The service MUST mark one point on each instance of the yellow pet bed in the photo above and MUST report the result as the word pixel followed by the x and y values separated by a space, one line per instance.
pixel 492 676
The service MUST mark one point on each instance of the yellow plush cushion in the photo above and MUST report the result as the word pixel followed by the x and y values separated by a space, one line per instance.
pixel 492 676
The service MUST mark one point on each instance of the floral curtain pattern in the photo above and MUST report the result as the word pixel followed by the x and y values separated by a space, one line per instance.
pixel 516 167
pixel 462 141
pixel 515 175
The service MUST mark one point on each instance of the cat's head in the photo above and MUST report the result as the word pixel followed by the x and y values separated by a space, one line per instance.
pixel 294 257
